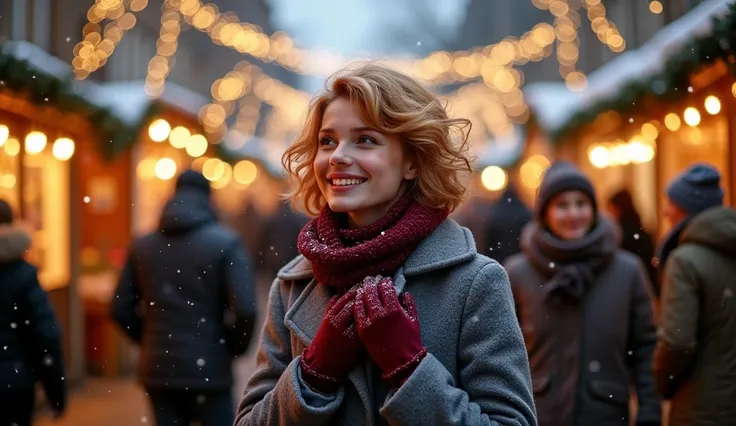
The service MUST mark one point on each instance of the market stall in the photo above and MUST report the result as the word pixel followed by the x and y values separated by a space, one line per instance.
pixel 652 112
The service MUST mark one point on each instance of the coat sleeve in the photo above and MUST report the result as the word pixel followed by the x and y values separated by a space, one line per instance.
pixel 675 352
pixel 241 299
pixel 641 347
pixel 274 394
pixel 494 380
pixel 42 338
pixel 125 309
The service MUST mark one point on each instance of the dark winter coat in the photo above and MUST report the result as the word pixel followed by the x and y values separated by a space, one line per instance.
pixel 585 352
pixel 636 240
pixel 506 219
pixel 476 372
pixel 30 335
pixel 695 361
pixel 187 295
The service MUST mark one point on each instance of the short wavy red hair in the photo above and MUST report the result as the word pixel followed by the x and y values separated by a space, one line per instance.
pixel 394 104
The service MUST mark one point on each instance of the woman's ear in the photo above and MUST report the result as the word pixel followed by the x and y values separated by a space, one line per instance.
pixel 411 169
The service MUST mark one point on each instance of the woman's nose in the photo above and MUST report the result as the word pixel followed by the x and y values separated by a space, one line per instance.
pixel 341 154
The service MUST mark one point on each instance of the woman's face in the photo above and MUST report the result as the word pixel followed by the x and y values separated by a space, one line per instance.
pixel 570 215
pixel 359 171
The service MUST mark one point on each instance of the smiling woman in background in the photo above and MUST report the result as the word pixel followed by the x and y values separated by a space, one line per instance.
pixel 584 310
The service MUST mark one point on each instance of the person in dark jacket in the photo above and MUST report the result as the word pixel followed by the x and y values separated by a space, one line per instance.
pixel 30 335
pixel 634 238
pixel 187 296
pixel 694 360
pixel 584 311
pixel 278 243
pixel 506 218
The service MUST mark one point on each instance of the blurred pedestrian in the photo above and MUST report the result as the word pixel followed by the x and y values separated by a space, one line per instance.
pixel 186 295
pixel 634 238
pixel 506 218
pixel 30 335
pixel 344 341
pixel 694 361
pixel 584 311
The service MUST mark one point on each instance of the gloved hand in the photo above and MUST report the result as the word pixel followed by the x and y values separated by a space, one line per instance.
pixel 335 348
pixel 388 330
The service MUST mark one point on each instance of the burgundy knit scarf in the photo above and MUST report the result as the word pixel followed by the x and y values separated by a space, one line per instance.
pixel 342 257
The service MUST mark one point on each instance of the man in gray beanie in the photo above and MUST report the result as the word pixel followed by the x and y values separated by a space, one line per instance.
pixel 693 360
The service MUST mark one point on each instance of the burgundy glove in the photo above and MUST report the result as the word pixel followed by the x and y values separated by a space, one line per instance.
pixel 335 348
pixel 389 331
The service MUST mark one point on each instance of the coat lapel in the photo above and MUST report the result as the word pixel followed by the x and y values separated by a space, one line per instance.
pixel 304 317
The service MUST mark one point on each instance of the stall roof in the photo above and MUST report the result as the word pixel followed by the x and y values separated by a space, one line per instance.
pixel 257 148
pixel 503 151
pixel 553 104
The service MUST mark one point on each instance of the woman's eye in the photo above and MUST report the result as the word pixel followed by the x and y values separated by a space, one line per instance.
pixel 326 141
pixel 366 139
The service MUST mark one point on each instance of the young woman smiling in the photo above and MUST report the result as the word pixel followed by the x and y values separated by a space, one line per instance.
pixel 389 316
pixel 584 310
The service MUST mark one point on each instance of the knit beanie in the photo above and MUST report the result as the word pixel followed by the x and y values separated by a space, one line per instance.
pixel 560 177
pixel 193 180
pixel 696 189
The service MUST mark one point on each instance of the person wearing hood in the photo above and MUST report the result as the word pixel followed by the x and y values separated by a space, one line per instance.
pixel 694 360
pixel 584 310
pixel 30 335
pixel 187 296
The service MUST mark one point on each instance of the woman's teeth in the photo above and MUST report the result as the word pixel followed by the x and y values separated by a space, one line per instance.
pixel 346 182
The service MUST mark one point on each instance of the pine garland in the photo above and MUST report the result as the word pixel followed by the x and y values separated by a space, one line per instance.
pixel 669 85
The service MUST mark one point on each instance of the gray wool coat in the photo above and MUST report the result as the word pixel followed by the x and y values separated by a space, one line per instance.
pixel 476 372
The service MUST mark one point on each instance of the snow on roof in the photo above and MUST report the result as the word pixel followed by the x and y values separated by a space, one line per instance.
pixel 39 59
pixel 503 151
pixel 129 100
pixel 553 104
pixel 257 148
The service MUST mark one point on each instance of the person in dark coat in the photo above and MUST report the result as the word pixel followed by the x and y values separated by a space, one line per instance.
pixel 506 218
pixel 694 360
pixel 584 311
pixel 30 335
pixel 187 296
pixel 634 238
pixel 278 241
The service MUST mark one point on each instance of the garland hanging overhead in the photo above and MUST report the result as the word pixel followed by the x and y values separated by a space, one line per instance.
pixel 670 84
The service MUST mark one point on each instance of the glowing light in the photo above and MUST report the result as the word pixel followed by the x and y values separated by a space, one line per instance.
pixel 599 156
pixel 672 122
pixel 4 134
pixel 63 149
pixel 213 169
pixel 12 147
pixel 712 105
pixel 493 178
pixel 691 116
pixel 165 168
pixel 245 172
pixel 656 7
pixel 35 142
pixel 196 145
pixel 159 130
pixel 179 137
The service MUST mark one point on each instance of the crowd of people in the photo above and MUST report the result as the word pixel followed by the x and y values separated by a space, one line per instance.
pixel 391 313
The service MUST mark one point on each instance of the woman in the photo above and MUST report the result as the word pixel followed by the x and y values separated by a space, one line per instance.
pixel 30 337
pixel 634 238
pixel 584 310
pixel 344 340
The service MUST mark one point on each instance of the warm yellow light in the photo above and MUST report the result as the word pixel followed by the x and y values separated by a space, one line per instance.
pixel 213 169
pixel 198 163
pixel 599 156
pixel 12 147
pixel 619 155
pixel 245 172
pixel 712 105
pixel 649 131
pixel 691 116
pixel 159 130
pixel 672 122
pixel 165 168
pixel 196 145
pixel 733 89
pixel 146 169
pixel 179 137
pixel 639 152
pixel 531 171
pixel 35 142
pixel 224 179
pixel 4 134
pixel 493 178
pixel 63 149
pixel 8 181
pixel 656 7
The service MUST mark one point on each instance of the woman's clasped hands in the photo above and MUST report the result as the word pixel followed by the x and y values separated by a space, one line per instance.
pixel 369 316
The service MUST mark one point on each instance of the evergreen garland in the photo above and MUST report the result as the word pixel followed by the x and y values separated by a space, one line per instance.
pixel 669 85
pixel 20 78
